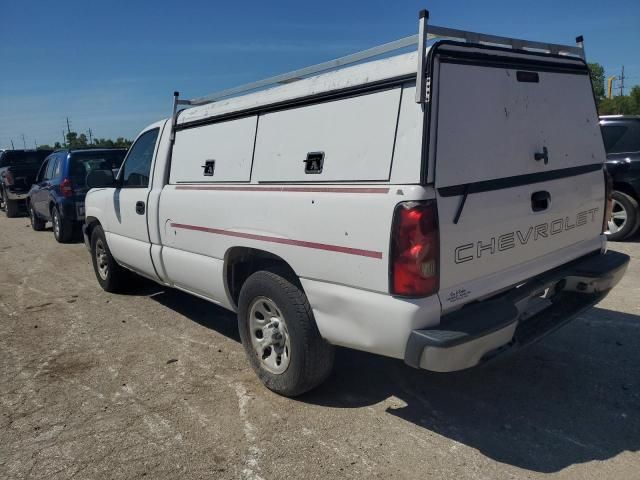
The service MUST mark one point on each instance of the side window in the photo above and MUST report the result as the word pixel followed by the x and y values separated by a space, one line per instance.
pixel 137 166
pixel 611 134
pixel 57 170
pixel 48 174
pixel 43 169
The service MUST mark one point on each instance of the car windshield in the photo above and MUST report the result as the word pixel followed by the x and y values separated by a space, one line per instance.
pixel 12 158
pixel 82 163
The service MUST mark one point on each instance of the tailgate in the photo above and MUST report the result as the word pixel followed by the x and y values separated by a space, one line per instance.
pixel 518 168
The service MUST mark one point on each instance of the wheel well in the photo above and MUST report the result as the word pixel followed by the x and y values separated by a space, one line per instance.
pixel 91 223
pixel 242 262
pixel 626 188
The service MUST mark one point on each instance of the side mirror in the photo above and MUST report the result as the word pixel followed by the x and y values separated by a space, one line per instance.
pixel 101 179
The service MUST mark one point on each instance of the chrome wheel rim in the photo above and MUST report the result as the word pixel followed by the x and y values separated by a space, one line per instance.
pixel 269 335
pixel 32 214
pixel 618 218
pixel 102 263
pixel 56 224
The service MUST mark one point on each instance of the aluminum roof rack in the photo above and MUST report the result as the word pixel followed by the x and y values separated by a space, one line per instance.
pixel 418 40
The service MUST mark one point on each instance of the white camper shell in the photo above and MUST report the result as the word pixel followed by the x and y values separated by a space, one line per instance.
pixel 439 206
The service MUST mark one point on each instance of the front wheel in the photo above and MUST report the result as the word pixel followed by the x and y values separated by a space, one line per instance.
pixel 625 217
pixel 111 276
pixel 280 335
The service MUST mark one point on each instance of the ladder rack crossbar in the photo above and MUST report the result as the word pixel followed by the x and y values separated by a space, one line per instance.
pixel 515 43
pixel 433 32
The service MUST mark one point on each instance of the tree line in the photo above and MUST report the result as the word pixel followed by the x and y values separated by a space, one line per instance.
pixel 75 140
pixel 618 104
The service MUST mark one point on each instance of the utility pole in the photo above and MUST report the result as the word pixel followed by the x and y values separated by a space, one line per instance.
pixel 68 127
pixel 90 137
pixel 24 142
pixel 610 81
pixel 64 139
pixel 12 147
pixel 622 82
pixel 35 144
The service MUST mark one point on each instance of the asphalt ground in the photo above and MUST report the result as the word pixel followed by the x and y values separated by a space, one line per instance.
pixel 155 385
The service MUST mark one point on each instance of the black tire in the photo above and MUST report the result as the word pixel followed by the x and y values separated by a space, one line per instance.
pixel 11 208
pixel 113 278
pixel 310 356
pixel 62 229
pixel 623 204
pixel 36 222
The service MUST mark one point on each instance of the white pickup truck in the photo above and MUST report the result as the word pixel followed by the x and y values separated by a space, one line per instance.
pixel 440 206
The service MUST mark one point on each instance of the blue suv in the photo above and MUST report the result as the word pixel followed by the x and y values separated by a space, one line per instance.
pixel 60 188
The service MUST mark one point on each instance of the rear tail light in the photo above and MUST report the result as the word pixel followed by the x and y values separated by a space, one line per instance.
pixel 608 200
pixel 8 177
pixel 415 251
pixel 66 188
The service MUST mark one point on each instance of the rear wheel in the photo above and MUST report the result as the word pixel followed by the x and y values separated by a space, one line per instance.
pixel 62 229
pixel 111 276
pixel 280 335
pixel 625 217
pixel 11 208
pixel 36 223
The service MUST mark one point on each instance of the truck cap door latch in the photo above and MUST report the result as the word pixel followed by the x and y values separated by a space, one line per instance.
pixel 314 162
pixel 209 168
pixel 544 155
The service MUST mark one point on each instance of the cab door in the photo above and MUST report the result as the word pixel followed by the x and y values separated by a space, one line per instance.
pixel 126 218
pixel 40 192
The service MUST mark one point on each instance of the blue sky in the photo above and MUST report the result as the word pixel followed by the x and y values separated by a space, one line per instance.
pixel 112 65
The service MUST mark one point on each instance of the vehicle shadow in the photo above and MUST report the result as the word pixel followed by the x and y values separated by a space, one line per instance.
pixel 572 398
pixel 200 311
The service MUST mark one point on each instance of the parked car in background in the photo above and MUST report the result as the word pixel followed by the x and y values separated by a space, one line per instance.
pixel 18 169
pixel 60 187
pixel 621 135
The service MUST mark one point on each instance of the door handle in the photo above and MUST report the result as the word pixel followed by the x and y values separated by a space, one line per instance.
pixel 140 208
pixel 540 201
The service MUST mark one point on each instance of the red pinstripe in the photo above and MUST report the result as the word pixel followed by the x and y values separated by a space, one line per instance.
pixel 284 241
pixel 285 189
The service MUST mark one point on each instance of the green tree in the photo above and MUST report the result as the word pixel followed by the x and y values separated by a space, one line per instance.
pixel 597 79
pixel 72 139
pixel 44 147
pixel 635 99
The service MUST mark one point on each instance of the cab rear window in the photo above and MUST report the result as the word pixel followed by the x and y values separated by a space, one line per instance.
pixel 12 158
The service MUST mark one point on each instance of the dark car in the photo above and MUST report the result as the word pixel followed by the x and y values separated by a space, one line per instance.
pixel 18 169
pixel 61 186
pixel 621 135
